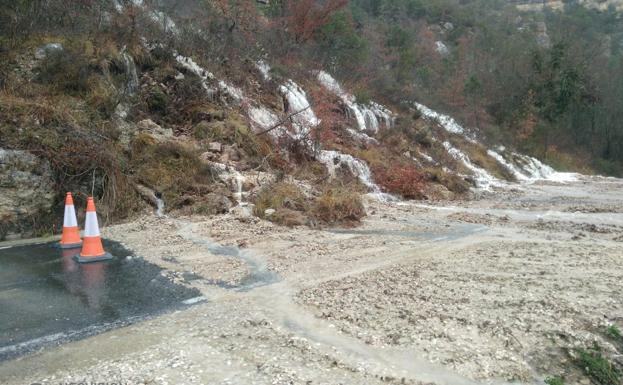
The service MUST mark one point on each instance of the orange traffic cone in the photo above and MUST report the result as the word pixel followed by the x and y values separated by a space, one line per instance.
pixel 92 249
pixel 71 233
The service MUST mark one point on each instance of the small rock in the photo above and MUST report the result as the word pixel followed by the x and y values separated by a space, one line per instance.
pixel 269 212
pixel 215 147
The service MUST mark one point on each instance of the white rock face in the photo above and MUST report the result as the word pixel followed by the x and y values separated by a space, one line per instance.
pixel 264 69
pixel 525 168
pixel 441 48
pixel 517 173
pixel 447 122
pixel 482 177
pixel 164 21
pixel 297 101
pixel 361 136
pixel 369 117
pixel 262 118
pixel 234 92
pixel 26 189
pixel 191 66
pixel 334 160
pixel 130 73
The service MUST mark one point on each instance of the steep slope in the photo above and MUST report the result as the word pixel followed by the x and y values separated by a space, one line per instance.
pixel 142 117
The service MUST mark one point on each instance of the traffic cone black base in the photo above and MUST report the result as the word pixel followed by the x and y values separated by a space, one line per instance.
pixel 105 257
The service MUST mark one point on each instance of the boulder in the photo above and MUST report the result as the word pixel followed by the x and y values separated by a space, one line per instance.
pixel 159 133
pixel 26 191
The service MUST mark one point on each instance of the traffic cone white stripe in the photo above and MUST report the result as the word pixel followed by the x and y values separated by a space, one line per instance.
pixel 91 228
pixel 69 219
pixel 70 238
pixel 92 248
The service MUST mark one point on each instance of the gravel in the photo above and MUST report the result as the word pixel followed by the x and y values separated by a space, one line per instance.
pixel 501 288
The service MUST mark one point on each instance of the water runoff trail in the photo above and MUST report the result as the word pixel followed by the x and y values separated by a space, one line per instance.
pixel 275 296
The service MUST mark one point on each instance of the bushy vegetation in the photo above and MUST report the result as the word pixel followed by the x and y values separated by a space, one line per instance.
pixel 452 182
pixel 338 206
pixel 79 147
pixel 404 180
pixel 169 168
pixel 558 99
pixel 549 95
pixel 614 332
pixel 280 195
pixel 598 367
pixel 554 381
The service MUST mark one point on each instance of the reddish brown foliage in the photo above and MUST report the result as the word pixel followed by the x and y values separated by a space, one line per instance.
pixel 327 109
pixel 405 180
pixel 305 17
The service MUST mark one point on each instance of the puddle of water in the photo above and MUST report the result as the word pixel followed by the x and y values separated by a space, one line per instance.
pixel 48 298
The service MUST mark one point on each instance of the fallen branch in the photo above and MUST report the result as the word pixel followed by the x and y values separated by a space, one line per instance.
pixel 282 121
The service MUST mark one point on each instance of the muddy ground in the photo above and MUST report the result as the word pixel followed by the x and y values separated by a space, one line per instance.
pixel 500 289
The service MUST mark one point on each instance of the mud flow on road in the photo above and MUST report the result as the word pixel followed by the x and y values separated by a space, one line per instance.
pixel 47 298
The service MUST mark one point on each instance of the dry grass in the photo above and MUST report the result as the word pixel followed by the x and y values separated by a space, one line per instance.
pixel 288 217
pixel 477 153
pixel 338 206
pixel 280 195
pixel 78 146
pixel 452 182
pixel 170 168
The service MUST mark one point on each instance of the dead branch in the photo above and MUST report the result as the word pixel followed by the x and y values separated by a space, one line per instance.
pixel 283 121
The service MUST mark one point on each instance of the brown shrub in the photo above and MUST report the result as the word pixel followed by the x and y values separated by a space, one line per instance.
pixel 66 70
pixel 374 157
pixel 452 182
pixel 338 205
pixel 287 217
pixel 279 195
pixel 79 147
pixel 170 168
pixel 404 180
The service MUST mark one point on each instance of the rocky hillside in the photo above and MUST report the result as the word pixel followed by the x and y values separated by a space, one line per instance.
pixel 122 104
pixel 533 5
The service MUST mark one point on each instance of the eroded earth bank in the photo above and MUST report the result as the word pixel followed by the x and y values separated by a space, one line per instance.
pixel 510 287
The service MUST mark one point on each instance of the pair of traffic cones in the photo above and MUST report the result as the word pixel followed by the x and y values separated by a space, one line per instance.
pixel 92 249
